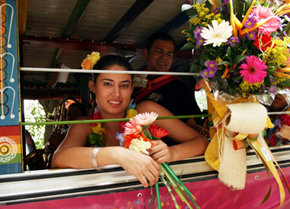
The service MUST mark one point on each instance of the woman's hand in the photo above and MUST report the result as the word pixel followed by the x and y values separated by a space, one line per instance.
pixel 141 166
pixel 160 152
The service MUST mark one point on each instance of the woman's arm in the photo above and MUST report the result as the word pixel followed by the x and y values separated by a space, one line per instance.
pixel 191 144
pixel 72 153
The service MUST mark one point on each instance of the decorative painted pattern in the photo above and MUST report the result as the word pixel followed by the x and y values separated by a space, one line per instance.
pixel 10 138
pixel 9 88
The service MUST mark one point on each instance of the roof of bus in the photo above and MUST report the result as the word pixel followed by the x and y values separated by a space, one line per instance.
pixel 64 32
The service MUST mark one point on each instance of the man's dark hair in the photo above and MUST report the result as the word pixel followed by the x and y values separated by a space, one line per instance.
pixel 158 36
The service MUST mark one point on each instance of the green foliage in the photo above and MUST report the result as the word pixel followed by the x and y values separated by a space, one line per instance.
pixel 34 112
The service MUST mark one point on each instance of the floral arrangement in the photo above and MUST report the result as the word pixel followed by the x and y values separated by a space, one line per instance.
pixel 240 47
pixel 138 134
pixel 241 50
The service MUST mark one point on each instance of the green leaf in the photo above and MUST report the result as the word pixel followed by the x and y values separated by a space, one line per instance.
pixel 191 13
pixel 239 58
pixel 229 52
pixel 286 83
pixel 188 46
pixel 194 67
pixel 224 62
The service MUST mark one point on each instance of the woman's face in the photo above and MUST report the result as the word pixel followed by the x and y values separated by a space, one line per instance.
pixel 113 92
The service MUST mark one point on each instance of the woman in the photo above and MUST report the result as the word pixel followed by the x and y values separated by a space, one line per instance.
pixel 113 95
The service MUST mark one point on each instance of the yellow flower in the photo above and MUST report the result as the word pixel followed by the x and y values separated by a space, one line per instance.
pixel 190 39
pixel 91 59
pixel 278 55
pixel 131 113
pixel 210 16
pixel 201 14
pixel 194 20
pixel 98 129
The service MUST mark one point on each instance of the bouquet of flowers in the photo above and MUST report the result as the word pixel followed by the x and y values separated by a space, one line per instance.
pixel 138 135
pixel 241 49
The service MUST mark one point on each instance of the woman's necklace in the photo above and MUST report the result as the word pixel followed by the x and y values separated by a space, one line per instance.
pixel 96 138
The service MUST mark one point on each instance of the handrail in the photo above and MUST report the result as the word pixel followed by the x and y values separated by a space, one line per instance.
pixel 33 69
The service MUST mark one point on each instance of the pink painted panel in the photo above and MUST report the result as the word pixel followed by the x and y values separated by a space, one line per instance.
pixel 210 194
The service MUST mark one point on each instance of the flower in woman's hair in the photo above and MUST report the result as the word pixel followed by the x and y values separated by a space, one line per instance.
pixel 86 64
pixel 252 35
pixel 233 41
pixel 262 42
pixel 263 13
pixel 157 132
pixel 132 127
pixel 253 71
pixel 91 59
pixel 217 33
pixel 211 64
pixel 145 118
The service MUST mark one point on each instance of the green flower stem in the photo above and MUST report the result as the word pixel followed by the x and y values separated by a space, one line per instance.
pixel 158 195
pixel 169 190
pixel 147 132
pixel 173 178
pixel 176 186
pixel 177 180
pixel 105 120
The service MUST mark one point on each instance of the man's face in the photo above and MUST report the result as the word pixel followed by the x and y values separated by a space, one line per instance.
pixel 160 56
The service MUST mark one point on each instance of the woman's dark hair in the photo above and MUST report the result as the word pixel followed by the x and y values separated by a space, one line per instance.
pixel 109 60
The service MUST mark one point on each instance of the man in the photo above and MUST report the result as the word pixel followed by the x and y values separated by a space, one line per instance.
pixel 168 91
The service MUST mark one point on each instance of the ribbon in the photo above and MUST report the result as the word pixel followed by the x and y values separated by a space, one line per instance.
pixel 232 133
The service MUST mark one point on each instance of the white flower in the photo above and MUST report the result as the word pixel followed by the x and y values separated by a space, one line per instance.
pixel 140 146
pixel 218 33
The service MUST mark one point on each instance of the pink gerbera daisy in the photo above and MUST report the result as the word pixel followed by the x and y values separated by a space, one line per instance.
pixel 262 13
pixel 254 70
pixel 145 118
pixel 132 127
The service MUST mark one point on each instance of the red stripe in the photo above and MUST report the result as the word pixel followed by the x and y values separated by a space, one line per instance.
pixel 9 130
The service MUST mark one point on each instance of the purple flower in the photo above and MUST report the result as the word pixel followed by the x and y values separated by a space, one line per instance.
pixel 216 10
pixel 251 21
pixel 251 35
pixel 233 41
pixel 211 64
pixel 272 89
pixel 208 73
pixel 197 32
pixel 225 2
pixel 120 138
pixel 199 42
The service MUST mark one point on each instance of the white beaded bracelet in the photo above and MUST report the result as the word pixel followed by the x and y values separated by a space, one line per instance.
pixel 94 157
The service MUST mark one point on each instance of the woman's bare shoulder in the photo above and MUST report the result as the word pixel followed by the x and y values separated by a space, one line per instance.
pixel 150 106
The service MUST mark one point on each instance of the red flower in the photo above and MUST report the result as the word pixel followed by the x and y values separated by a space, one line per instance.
pixel 158 132
pixel 273 140
pixel 130 137
pixel 262 42
pixel 285 119
pixel 96 116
